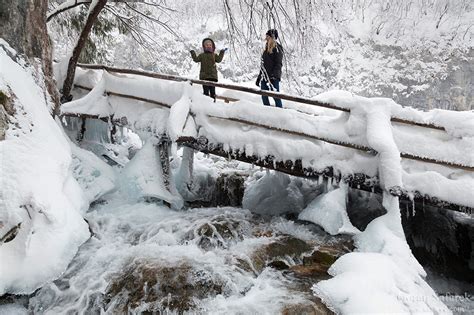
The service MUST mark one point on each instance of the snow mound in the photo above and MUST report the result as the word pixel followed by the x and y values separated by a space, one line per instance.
pixel 329 212
pixel 384 275
pixel 38 191
pixel 369 283
pixel 273 193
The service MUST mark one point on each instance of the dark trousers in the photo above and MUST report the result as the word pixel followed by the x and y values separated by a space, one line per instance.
pixel 276 88
pixel 209 90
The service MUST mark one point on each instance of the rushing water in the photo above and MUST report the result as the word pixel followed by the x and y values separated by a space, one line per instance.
pixel 144 257
pixel 209 248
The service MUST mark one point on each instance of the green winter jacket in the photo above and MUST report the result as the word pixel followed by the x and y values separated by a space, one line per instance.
pixel 208 64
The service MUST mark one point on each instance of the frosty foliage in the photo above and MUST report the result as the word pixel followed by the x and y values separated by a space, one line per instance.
pixel 417 52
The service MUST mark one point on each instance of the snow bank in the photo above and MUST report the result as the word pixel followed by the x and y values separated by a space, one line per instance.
pixel 38 192
pixel 384 275
pixel 366 283
pixel 329 212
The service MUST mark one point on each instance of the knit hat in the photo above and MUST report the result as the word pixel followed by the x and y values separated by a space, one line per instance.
pixel 272 33
pixel 212 42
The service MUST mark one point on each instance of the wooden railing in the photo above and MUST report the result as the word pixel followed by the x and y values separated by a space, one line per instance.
pixel 359 181
pixel 292 132
pixel 234 87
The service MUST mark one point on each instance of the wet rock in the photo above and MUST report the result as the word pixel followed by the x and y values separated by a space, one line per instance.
pixel 260 233
pixel 152 287
pixel 363 207
pixel 285 247
pixel 278 265
pixel 328 254
pixel 316 265
pixel 229 190
pixel 440 239
pixel 306 308
pixel 225 190
pixel 221 231
pixel 244 265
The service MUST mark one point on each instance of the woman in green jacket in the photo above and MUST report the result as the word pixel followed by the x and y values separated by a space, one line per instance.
pixel 208 61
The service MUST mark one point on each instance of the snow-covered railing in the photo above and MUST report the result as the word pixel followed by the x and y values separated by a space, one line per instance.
pixel 293 132
pixel 283 96
pixel 293 140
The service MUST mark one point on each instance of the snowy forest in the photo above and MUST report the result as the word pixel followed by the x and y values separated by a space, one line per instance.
pixel 236 157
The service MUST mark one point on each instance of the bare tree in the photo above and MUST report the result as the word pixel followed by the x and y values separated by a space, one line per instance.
pixel 71 69
pixel 23 26
pixel 127 17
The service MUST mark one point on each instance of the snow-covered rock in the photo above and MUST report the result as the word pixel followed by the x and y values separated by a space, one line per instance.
pixel 38 192
pixel 329 211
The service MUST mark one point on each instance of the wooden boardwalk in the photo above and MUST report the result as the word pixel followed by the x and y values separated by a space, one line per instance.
pixel 295 168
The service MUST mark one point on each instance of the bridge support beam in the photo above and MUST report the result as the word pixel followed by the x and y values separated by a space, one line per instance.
pixel 356 181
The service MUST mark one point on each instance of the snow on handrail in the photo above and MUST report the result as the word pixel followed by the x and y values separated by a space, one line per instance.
pixel 297 99
pixel 359 147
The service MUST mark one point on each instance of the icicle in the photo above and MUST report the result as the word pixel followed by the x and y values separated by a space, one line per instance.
pixel 329 184
pixel 320 179
pixel 413 206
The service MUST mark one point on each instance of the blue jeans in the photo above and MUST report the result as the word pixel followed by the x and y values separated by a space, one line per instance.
pixel 264 86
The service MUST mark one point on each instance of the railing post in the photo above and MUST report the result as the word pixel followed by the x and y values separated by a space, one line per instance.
pixel 187 167
pixel 82 131
pixel 163 147
pixel 112 129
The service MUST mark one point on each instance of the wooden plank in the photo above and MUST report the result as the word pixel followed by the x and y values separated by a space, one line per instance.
pixel 352 145
pixel 300 134
pixel 227 99
pixel 249 90
pixel 141 99
pixel 121 122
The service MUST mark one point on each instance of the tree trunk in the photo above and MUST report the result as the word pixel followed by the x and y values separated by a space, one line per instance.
pixel 71 68
pixel 23 26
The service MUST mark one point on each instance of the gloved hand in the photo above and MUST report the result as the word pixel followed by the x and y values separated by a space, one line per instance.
pixel 191 51
pixel 225 49
pixel 259 78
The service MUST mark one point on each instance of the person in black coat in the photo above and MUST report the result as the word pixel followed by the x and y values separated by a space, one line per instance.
pixel 270 67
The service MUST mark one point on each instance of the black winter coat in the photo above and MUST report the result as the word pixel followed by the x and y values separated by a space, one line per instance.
pixel 272 63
